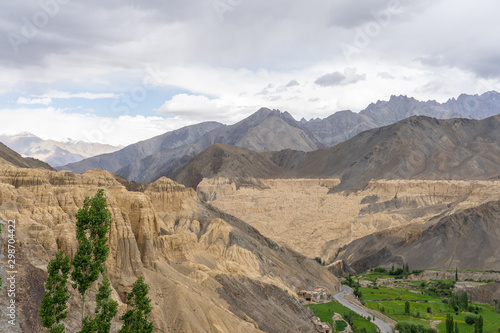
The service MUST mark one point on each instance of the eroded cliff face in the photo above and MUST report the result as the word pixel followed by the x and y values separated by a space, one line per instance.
pixel 306 215
pixel 201 264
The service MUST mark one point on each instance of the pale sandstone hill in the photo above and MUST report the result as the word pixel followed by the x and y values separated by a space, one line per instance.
pixel 207 271
pixel 302 214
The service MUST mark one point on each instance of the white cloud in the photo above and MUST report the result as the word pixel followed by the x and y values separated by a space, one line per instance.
pixel 87 95
pixel 201 108
pixel 51 123
pixel 31 101
pixel 47 98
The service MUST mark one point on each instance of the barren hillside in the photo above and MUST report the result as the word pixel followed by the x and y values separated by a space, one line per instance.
pixel 207 270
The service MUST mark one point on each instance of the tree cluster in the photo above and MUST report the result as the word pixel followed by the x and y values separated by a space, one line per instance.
pixel 92 226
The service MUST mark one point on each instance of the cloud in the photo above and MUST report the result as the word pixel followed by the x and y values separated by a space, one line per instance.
pixel 338 79
pixel 385 76
pixel 202 108
pixel 46 99
pixel 31 101
pixel 87 95
pixel 56 124
pixel 101 49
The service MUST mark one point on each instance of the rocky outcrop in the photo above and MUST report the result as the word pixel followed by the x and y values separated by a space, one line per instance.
pixel 202 264
pixel 340 268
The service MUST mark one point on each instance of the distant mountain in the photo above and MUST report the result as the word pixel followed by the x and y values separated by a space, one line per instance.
pixel 8 156
pixel 414 148
pixel 239 164
pixel 438 243
pixel 344 125
pixel 272 130
pixel 55 153
pixel 262 131
pixel 171 140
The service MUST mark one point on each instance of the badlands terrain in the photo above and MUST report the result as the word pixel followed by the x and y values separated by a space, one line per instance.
pixel 207 271
pixel 227 241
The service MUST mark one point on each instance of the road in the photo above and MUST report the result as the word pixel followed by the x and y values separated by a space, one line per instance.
pixel 382 325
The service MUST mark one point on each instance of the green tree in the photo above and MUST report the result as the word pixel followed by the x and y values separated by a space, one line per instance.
pixel 106 309
pixel 456 273
pixel 407 308
pixel 136 317
pixel 92 226
pixel 478 328
pixel 449 323
pixel 456 328
pixel 53 307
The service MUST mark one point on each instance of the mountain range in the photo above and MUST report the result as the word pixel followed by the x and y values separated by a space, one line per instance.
pixel 415 148
pixel 272 130
pixel 55 153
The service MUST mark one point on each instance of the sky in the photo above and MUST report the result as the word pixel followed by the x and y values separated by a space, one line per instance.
pixel 120 71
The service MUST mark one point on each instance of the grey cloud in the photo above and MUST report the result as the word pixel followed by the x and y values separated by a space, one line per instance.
pixel 350 14
pixel 386 76
pixel 330 79
pixel 292 83
pixel 338 79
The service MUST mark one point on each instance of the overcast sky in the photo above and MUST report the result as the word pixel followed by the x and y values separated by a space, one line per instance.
pixel 119 71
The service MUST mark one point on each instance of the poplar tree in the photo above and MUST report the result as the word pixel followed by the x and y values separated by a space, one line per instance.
pixel 53 307
pixel 136 318
pixel 92 226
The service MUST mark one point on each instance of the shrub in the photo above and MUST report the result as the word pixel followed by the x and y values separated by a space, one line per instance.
pixel 470 319
pixel 429 309
pixel 409 327
pixel 380 270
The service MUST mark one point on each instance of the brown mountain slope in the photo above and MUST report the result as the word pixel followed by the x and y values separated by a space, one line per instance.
pixel 265 130
pixel 207 271
pixel 467 239
pixel 415 148
pixel 241 165
pixel 8 156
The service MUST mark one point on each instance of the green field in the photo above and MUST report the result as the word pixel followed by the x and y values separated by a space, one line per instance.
pixel 325 312
pixel 426 303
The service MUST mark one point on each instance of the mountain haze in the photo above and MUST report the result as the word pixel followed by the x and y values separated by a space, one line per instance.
pixel 114 161
pixel 55 153
pixel 10 157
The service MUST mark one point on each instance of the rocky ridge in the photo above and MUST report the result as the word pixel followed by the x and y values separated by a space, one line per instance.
pixel 207 270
